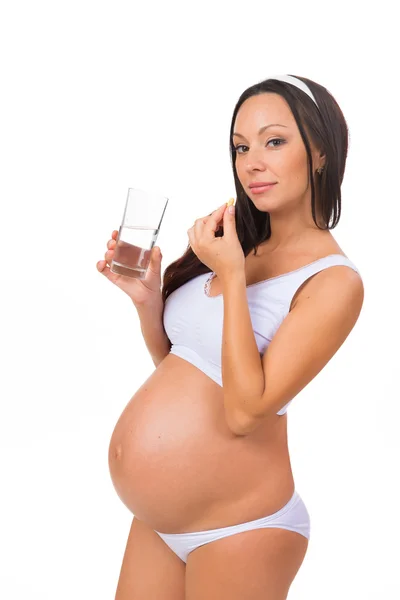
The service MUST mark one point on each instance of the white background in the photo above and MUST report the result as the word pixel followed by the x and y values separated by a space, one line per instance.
pixel 97 97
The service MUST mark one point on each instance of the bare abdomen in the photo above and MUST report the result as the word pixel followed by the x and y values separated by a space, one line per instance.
pixel 175 464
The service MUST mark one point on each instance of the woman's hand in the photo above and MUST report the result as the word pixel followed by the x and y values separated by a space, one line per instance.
pixel 223 255
pixel 145 291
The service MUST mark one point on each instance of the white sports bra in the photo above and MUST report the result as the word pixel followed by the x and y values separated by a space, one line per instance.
pixel 193 320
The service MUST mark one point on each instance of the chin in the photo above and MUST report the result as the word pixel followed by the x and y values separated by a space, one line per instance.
pixel 265 205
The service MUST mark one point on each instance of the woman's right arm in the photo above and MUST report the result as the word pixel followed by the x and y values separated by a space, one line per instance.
pixel 146 297
pixel 152 326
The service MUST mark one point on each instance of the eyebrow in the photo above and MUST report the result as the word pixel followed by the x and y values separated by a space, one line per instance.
pixel 262 129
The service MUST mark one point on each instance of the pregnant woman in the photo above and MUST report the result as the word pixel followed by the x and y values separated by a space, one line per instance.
pixel 258 304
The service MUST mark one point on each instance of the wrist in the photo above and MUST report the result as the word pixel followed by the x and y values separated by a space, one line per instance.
pixel 233 279
pixel 153 305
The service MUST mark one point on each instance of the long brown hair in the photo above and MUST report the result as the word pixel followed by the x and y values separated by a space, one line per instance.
pixel 328 131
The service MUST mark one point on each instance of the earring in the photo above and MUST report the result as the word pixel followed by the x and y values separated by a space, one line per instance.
pixel 319 171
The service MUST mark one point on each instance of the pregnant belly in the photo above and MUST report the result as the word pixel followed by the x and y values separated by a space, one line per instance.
pixel 172 457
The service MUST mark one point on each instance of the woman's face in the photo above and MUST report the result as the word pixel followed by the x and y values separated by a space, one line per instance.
pixel 277 154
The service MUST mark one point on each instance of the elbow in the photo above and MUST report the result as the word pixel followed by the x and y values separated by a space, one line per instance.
pixel 242 424
pixel 242 412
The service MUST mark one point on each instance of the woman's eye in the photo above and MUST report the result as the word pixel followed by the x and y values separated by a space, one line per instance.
pixel 274 140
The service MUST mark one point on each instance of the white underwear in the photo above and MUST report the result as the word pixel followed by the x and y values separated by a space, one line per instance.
pixel 293 516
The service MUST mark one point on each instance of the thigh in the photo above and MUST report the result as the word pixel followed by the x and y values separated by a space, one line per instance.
pixel 150 569
pixel 259 564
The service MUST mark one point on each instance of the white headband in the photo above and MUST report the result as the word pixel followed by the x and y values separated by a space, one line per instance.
pixel 297 82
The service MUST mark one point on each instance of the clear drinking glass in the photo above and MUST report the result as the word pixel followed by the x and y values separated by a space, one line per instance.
pixel 141 222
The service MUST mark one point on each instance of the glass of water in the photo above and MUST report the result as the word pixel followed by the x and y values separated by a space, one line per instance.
pixel 141 222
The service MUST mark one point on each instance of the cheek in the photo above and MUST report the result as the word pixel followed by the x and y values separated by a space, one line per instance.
pixel 241 172
pixel 293 169
pixel 289 161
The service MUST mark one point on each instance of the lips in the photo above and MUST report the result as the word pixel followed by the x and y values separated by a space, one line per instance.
pixel 261 189
pixel 261 184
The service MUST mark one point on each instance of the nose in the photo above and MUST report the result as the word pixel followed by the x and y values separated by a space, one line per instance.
pixel 255 164
pixel 255 159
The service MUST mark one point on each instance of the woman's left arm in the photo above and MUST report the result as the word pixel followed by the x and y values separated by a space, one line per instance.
pixel 306 340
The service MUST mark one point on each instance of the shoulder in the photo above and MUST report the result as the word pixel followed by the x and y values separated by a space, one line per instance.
pixel 337 285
